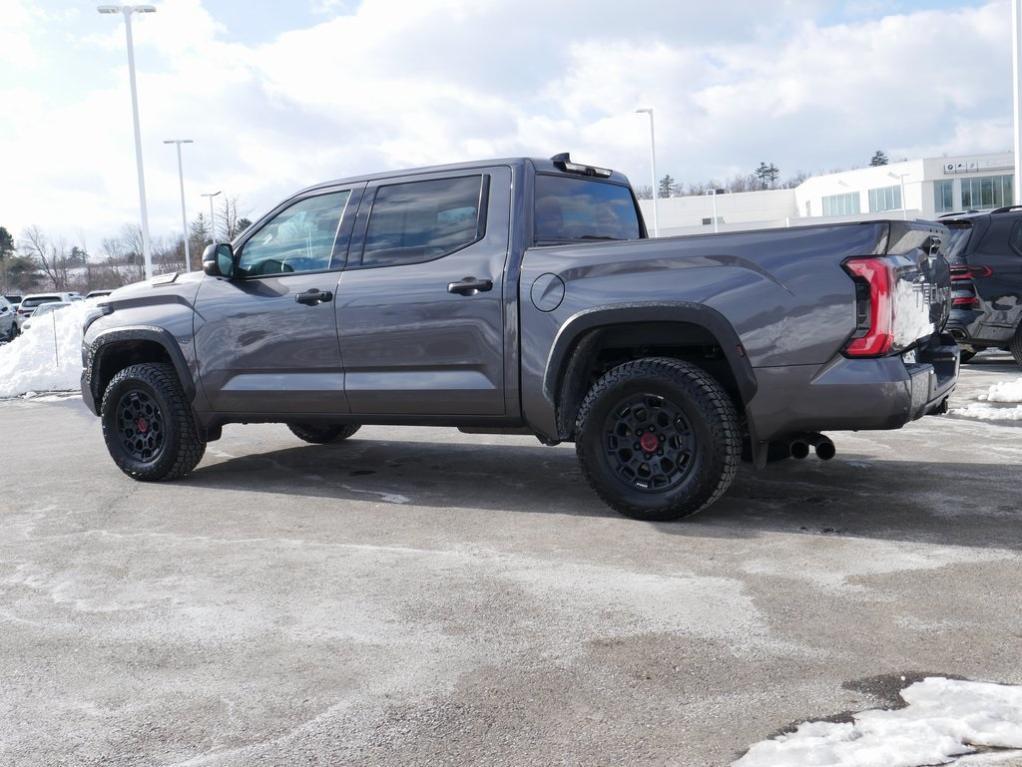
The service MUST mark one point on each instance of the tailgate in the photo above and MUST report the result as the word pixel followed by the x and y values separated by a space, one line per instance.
pixel 921 292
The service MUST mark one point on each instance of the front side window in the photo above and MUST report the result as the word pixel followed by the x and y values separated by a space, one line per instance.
pixel 423 220
pixel 571 209
pixel 298 239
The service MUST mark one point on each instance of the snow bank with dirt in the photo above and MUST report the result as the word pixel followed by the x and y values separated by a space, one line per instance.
pixel 47 356
pixel 944 719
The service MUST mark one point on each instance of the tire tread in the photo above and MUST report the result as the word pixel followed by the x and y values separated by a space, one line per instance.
pixel 708 395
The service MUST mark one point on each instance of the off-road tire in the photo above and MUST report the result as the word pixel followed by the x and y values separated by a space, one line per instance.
pixel 712 421
pixel 1015 347
pixel 180 449
pixel 323 433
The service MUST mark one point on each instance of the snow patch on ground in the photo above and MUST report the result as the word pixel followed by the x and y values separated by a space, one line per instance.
pixel 47 356
pixel 944 719
pixel 1005 391
pixel 1009 392
pixel 984 412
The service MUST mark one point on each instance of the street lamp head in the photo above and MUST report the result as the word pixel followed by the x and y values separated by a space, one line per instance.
pixel 178 141
pixel 108 9
pixel 644 110
pixel 143 9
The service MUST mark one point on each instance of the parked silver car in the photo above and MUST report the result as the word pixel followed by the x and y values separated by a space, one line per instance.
pixel 30 303
pixel 8 320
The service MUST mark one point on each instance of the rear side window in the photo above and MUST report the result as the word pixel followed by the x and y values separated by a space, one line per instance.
pixel 569 209
pixel 424 220
pixel 958 240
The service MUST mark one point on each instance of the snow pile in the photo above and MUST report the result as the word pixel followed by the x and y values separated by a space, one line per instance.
pixel 1006 391
pixel 984 412
pixel 35 361
pixel 944 719
pixel 1003 391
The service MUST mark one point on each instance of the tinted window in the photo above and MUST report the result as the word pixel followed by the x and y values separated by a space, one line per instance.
pixel 298 239
pixel 958 239
pixel 577 209
pixel 1015 239
pixel 423 220
pixel 31 303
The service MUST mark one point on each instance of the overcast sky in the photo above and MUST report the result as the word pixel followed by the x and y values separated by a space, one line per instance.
pixel 278 95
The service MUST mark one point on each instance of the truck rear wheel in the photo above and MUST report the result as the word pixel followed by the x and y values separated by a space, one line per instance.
pixel 323 433
pixel 148 425
pixel 658 439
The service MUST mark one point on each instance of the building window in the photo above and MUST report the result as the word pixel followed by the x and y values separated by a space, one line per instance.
pixel 709 221
pixel 986 192
pixel 943 196
pixel 885 198
pixel 841 204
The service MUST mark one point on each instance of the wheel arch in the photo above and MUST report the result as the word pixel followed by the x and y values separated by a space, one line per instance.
pixel 113 350
pixel 631 328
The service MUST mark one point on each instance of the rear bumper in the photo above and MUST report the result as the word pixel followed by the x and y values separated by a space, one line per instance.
pixel 972 327
pixel 855 394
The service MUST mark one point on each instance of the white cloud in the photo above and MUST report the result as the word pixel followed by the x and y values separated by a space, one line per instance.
pixel 391 83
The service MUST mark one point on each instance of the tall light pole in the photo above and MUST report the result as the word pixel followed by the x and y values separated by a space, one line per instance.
pixel 652 166
pixel 212 219
pixel 127 11
pixel 904 202
pixel 181 181
pixel 713 195
pixel 1016 94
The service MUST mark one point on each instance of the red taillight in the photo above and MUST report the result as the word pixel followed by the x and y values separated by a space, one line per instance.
pixel 965 301
pixel 959 273
pixel 875 334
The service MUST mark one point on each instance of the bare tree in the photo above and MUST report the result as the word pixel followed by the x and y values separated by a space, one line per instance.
pixel 231 223
pixel 51 257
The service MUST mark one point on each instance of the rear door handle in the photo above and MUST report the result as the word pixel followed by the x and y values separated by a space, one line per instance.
pixel 314 296
pixel 469 286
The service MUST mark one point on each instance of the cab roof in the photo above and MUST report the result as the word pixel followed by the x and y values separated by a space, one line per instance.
pixel 556 165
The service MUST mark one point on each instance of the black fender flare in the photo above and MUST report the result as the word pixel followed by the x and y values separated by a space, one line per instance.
pixel 713 322
pixel 93 353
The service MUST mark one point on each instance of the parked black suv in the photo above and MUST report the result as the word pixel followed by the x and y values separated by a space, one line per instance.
pixel 985 251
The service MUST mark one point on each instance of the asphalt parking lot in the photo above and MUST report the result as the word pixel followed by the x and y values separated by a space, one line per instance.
pixel 420 596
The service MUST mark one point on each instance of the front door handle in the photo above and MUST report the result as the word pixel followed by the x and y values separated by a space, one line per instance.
pixel 314 296
pixel 469 286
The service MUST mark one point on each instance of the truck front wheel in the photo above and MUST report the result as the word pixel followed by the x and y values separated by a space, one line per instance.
pixel 323 433
pixel 658 439
pixel 148 425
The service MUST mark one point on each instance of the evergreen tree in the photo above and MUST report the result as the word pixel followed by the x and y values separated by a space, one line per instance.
pixel 879 158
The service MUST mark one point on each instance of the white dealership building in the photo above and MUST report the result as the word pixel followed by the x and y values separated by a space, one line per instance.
pixel 925 188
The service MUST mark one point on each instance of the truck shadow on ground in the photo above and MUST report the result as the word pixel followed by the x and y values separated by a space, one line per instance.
pixel 853 495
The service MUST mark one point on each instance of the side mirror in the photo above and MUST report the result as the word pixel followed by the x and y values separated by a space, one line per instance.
pixel 218 260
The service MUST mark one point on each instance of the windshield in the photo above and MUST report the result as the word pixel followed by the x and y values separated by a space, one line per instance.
pixel 957 239
pixel 571 209
pixel 49 306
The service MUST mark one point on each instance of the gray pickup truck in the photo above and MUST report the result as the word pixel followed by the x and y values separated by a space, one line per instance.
pixel 523 296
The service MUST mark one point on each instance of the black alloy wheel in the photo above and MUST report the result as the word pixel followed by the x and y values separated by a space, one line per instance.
pixel 649 442
pixel 140 426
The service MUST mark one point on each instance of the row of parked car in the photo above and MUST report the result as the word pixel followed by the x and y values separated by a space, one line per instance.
pixel 16 312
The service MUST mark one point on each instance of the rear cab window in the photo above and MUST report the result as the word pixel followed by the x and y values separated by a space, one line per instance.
pixel 569 209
